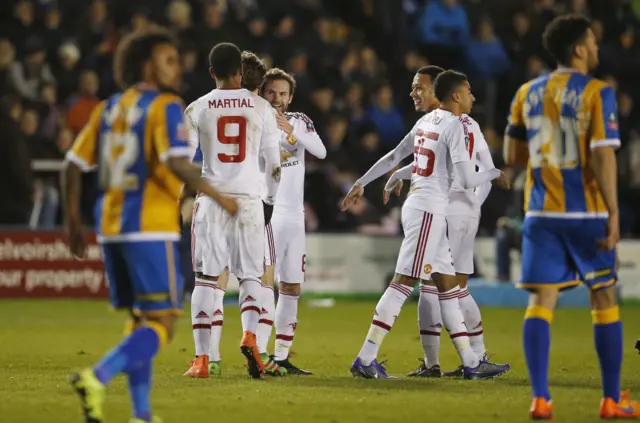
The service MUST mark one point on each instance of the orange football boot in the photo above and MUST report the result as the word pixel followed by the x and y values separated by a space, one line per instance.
pixel 249 349
pixel 541 409
pixel 199 367
pixel 624 409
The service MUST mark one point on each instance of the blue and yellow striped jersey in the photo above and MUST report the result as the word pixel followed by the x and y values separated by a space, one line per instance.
pixel 562 116
pixel 128 138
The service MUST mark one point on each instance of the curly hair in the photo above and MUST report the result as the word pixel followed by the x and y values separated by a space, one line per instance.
pixel 132 53
pixel 253 71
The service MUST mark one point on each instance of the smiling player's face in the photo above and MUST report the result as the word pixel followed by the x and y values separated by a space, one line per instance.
pixel 422 93
pixel 166 67
pixel 278 93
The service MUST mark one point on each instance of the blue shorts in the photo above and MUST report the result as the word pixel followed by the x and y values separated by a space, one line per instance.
pixel 144 276
pixel 562 253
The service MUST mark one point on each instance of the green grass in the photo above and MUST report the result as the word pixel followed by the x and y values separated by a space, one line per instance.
pixel 41 341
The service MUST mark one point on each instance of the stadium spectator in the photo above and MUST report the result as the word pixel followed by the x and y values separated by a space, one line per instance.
pixel 7 55
pixel 83 104
pixel 16 178
pixel 67 70
pixel 23 26
pixel 443 32
pixel 386 118
pixel 27 75
pixel 52 34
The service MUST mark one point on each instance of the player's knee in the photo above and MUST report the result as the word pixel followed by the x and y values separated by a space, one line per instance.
pixel 604 298
pixel 165 326
pixel 545 297
pixel 404 280
pixel 445 282
pixel 462 280
pixel 267 278
pixel 290 288
pixel 429 282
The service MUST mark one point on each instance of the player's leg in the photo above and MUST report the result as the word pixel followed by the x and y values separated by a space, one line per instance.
pixel 267 311
pixel 430 326
pixel 439 264
pixel 88 383
pixel 409 269
pixel 598 270
pixel 291 272
pixel 215 365
pixel 542 243
pixel 210 258
pixel 247 263
pixel 462 235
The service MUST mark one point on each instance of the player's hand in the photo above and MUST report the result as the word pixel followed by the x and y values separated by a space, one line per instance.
pixel 613 233
pixel 268 212
pixel 230 205
pixel 502 181
pixel 283 124
pixel 352 197
pixel 75 238
pixel 393 184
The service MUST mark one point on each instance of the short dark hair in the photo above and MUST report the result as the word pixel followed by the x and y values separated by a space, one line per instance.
pixel 431 70
pixel 134 51
pixel 562 34
pixel 446 83
pixel 225 60
pixel 277 74
pixel 253 71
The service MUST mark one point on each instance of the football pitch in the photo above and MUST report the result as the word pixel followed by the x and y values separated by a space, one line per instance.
pixel 42 341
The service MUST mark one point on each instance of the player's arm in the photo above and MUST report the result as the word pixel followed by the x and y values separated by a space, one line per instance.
pixel 605 139
pixel 82 157
pixel 515 149
pixel 381 167
pixel 270 147
pixel 486 163
pixel 309 138
pixel 456 135
pixel 173 149
pixel 395 182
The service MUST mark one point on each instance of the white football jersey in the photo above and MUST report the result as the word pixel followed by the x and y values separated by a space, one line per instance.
pixel 465 201
pixel 290 197
pixel 440 139
pixel 234 129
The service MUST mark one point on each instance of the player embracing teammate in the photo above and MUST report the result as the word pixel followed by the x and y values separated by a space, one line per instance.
pixel 284 238
pixel 440 143
pixel 463 216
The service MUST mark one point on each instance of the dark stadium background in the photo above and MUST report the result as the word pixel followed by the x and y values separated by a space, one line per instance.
pixel 353 60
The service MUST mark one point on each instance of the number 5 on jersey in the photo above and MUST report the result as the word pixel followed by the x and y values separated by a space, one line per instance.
pixel 236 125
pixel 422 154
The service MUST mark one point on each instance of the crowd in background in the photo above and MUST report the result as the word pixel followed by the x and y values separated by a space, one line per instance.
pixel 353 62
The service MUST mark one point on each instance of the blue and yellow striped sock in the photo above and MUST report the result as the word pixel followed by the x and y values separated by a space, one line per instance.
pixel 133 351
pixel 140 389
pixel 607 332
pixel 537 341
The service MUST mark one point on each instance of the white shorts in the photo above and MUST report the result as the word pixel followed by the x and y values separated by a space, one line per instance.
pixel 462 236
pixel 288 234
pixel 220 240
pixel 425 247
pixel 269 246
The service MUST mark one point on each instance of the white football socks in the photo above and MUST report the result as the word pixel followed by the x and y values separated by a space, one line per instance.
pixel 430 324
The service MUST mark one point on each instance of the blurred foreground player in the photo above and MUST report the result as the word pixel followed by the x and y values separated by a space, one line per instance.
pixel 137 141
pixel 563 127
pixel 236 130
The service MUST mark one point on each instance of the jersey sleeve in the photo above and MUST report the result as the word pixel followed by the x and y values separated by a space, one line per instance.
pixel 456 135
pixel 516 127
pixel 604 119
pixel 192 133
pixel 170 137
pixel 305 133
pixel 84 150
pixel 390 160
pixel 270 149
